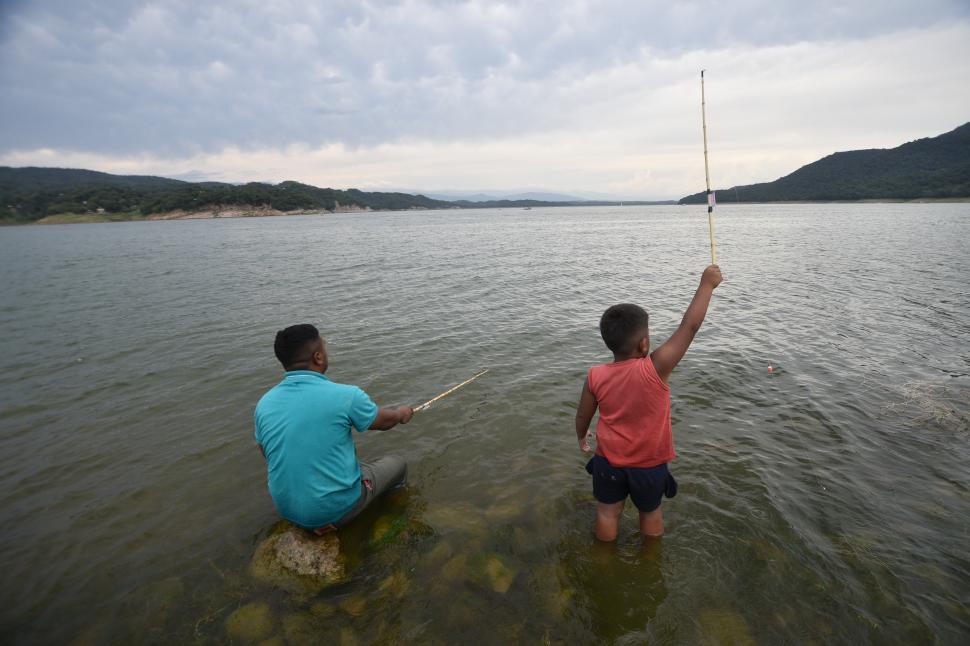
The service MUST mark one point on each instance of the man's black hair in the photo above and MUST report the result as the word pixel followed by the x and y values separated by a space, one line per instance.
pixel 622 326
pixel 293 343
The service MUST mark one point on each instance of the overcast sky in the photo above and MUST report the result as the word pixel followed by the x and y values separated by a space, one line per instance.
pixel 576 97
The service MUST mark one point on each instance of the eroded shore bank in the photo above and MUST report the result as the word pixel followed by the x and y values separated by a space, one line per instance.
pixel 206 213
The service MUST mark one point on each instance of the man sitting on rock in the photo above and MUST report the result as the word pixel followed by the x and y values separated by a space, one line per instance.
pixel 303 429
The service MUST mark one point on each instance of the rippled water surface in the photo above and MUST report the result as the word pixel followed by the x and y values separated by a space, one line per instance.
pixel 826 502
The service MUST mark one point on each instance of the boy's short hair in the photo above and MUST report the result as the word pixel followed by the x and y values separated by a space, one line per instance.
pixel 291 342
pixel 622 326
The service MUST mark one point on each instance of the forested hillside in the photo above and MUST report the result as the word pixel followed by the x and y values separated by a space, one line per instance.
pixel 937 167
pixel 28 194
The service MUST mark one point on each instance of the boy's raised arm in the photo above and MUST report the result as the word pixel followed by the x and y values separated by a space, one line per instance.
pixel 584 415
pixel 667 356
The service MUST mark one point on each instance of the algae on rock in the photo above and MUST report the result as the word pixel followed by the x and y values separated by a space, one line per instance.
pixel 387 528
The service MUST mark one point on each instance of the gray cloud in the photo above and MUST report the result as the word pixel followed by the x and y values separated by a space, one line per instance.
pixel 178 78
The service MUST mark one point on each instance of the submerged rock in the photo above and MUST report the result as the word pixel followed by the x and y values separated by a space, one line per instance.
pixel 500 575
pixel 441 552
pixel 544 580
pixel 395 585
pixel 456 516
pixel 723 627
pixel 488 570
pixel 348 637
pixel 250 624
pixel 419 529
pixel 397 498
pixel 300 629
pixel 559 603
pixel 387 528
pixel 502 512
pixel 354 606
pixel 456 569
pixel 322 609
pixel 298 561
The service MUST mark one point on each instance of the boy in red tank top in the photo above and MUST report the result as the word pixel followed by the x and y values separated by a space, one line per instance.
pixel 633 437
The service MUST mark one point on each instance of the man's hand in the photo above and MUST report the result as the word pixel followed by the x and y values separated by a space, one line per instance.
pixel 584 444
pixel 711 276
pixel 406 414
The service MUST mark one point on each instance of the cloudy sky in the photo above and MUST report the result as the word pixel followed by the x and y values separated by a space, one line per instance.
pixel 589 98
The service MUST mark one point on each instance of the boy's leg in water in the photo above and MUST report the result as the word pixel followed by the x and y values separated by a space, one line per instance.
pixel 652 523
pixel 608 520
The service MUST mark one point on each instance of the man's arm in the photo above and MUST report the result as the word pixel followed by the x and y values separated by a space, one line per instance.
pixel 584 415
pixel 390 416
pixel 667 356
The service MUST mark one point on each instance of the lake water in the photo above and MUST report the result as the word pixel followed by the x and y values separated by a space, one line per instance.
pixel 826 502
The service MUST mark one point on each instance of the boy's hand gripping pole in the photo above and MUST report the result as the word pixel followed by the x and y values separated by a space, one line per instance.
pixel 707 177
pixel 428 403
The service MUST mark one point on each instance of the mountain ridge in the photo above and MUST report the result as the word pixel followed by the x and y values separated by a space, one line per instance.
pixel 928 168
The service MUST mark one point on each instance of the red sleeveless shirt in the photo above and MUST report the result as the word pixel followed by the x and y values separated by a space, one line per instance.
pixel 634 405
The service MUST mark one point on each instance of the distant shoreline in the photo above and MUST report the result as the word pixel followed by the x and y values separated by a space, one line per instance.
pixel 208 213
pixel 237 211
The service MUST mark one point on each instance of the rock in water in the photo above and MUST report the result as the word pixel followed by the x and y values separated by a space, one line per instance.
pixel 250 624
pixel 500 575
pixel 354 606
pixel 386 529
pixel 348 637
pixel 298 561
pixel 396 585
pixel 315 557
pixel 300 629
pixel 723 627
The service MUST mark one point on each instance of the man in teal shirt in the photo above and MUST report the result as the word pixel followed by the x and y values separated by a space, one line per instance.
pixel 303 428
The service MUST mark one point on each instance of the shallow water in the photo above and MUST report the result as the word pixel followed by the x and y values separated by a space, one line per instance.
pixel 827 502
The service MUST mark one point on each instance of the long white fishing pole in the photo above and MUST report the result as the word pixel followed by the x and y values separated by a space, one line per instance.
pixel 428 403
pixel 707 176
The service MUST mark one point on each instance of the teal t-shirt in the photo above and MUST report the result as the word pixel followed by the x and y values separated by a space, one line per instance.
pixel 304 424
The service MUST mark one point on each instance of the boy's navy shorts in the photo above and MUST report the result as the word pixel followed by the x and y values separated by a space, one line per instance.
pixel 644 486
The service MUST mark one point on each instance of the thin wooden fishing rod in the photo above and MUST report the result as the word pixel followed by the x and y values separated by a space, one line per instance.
pixel 428 403
pixel 707 177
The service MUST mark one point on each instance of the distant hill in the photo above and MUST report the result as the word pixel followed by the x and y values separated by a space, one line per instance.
pixel 936 167
pixel 30 194
pixel 35 178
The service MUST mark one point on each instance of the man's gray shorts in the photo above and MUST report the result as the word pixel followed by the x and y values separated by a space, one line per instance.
pixel 377 477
